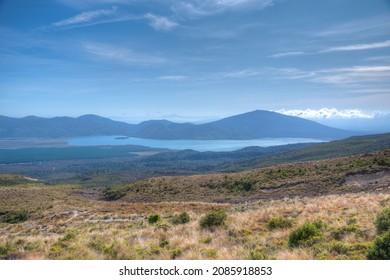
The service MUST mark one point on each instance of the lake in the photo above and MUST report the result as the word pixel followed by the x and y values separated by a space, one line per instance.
pixel 197 145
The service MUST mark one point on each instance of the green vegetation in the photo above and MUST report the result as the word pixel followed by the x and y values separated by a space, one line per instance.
pixel 115 193
pixel 382 221
pixel 310 210
pixel 305 178
pixel 347 230
pixel 181 218
pixel 279 222
pixel 307 234
pixel 13 180
pixel 14 217
pixel 380 249
pixel 213 218
pixel 154 218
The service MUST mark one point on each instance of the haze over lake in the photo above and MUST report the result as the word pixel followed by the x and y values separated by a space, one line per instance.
pixel 197 145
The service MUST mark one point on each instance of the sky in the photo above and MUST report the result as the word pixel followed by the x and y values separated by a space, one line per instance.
pixel 198 60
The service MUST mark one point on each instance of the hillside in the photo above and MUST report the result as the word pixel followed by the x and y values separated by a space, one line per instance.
pixel 340 197
pixel 108 166
pixel 252 125
pixel 286 180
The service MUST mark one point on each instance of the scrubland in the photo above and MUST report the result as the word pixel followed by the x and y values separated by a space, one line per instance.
pixel 39 221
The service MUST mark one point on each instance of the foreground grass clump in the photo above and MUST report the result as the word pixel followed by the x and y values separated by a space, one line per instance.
pixel 380 249
pixel 306 235
pixel 382 221
pixel 213 218
pixel 181 218
pixel 154 218
pixel 279 222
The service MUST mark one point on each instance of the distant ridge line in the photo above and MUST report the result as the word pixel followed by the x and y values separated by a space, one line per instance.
pixel 251 125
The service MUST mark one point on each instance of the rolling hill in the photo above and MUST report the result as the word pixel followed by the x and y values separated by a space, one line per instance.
pixel 252 125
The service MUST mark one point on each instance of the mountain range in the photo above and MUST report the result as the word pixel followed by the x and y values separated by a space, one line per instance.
pixel 251 125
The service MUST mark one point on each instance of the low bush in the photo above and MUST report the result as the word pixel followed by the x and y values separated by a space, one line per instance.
pixel 154 218
pixel 305 235
pixel 382 221
pixel 279 222
pixel 181 218
pixel 14 217
pixel 380 249
pixel 213 218
pixel 340 233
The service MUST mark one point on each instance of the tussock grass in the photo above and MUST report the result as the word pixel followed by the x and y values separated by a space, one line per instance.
pixel 245 234
pixel 340 198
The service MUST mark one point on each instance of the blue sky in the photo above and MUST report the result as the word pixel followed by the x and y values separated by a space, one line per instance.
pixel 194 60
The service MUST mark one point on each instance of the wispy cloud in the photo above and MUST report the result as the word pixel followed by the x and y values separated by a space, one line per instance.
pixel 353 75
pixel 85 17
pixel 358 47
pixel 160 23
pixel 245 73
pixel 346 48
pixel 121 55
pixel 372 77
pixel 385 58
pixel 90 18
pixel 358 28
pixel 172 78
pixel 286 54
pixel 327 113
pixel 208 7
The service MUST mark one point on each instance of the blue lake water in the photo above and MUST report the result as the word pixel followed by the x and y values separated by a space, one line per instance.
pixel 197 145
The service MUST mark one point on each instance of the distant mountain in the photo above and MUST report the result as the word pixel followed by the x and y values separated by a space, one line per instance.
pixel 252 125
pixel 87 125
pixel 261 124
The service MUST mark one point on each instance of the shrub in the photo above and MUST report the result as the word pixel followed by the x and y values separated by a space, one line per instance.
pixel 7 248
pixel 70 235
pixel 380 249
pixel 182 218
pixel 213 218
pixel 154 218
pixel 340 233
pixel 279 222
pixel 14 217
pixel 382 221
pixel 305 235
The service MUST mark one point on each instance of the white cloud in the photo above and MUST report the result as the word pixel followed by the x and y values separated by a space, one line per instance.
pixel 286 54
pixel 327 113
pixel 121 55
pixel 353 75
pixel 240 74
pixel 85 17
pixel 361 28
pixel 172 78
pixel 160 23
pixel 358 47
pixel 208 7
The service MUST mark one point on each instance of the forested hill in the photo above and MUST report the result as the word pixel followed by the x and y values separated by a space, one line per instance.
pixel 252 125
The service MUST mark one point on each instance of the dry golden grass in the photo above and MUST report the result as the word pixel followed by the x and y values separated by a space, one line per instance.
pixel 75 230
pixel 67 222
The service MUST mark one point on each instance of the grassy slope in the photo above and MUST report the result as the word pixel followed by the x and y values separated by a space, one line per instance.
pixel 339 148
pixel 68 222
pixel 69 228
pixel 286 180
